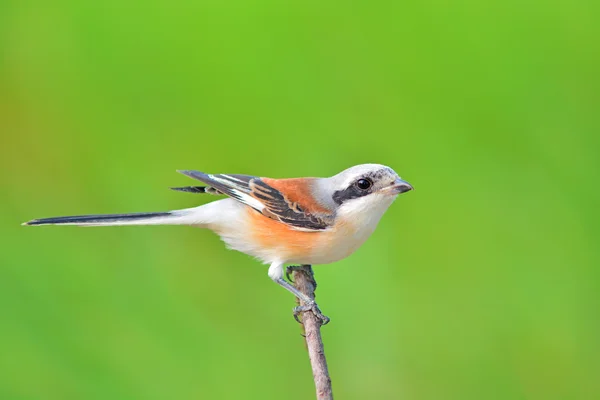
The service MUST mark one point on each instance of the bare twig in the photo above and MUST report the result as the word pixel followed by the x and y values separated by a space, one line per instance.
pixel 304 281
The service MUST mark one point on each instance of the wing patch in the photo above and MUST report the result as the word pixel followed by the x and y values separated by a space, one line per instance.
pixel 267 200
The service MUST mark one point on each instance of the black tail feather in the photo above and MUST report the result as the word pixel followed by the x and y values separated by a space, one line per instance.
pixel 96 219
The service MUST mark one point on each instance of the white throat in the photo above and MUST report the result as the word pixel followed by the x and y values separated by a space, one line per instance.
pixel 356 220
pixel 365 212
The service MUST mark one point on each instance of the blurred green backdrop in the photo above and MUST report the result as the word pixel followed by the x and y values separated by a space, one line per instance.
pixel 481 284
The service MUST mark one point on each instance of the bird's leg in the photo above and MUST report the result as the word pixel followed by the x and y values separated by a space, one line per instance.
pixel 276 274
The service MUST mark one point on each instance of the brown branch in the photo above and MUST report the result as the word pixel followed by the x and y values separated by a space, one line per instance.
pixel 304 281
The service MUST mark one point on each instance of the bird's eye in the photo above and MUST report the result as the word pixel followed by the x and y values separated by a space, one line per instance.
pixel 363 184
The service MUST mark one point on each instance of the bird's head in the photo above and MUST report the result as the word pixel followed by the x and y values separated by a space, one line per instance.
pixel 365 190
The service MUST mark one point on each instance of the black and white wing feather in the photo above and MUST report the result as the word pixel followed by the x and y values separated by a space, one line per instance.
pixel 270 202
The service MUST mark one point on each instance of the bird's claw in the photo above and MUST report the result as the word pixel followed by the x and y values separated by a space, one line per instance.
pixel 323 319
pixel 288 271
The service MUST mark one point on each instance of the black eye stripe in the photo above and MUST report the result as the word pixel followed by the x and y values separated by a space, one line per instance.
pixel 352 192
pixel 355 191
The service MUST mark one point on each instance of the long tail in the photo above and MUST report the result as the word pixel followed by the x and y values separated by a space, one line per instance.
pixel 189 216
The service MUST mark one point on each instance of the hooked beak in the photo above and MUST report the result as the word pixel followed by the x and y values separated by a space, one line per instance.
pixel 400 186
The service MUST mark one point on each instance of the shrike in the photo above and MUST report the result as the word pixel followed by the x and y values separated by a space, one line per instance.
pixel 279 221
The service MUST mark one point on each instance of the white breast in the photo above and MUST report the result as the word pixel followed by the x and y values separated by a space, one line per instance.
pixel 356 220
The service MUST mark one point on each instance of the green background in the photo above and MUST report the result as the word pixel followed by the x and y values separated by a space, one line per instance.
pixel 481 284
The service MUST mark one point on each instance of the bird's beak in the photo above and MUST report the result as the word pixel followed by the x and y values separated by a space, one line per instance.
pixel 400 186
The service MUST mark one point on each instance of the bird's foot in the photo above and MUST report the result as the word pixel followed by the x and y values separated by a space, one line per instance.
pixel 323 319
pixel 289 270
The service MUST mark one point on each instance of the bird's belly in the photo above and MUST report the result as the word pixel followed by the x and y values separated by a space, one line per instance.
pixel 272 241
pixel 280 242
pixel 334 245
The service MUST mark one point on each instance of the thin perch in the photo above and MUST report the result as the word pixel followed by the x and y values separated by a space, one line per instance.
pixel 304 281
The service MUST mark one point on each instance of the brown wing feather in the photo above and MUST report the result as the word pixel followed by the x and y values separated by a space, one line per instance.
pixel 285 200
pixel 298 191
pixel 288 207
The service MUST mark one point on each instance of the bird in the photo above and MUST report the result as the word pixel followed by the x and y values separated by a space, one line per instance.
pixel 304 221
